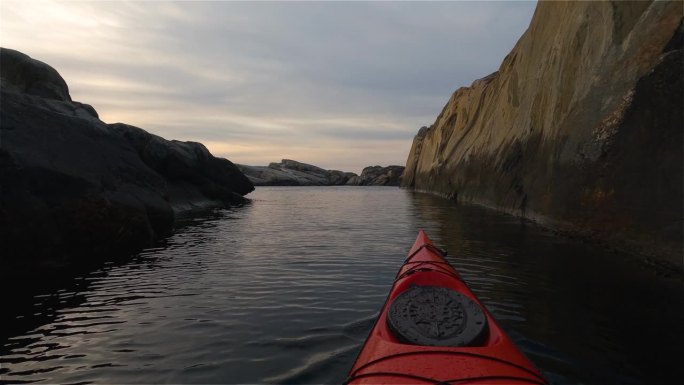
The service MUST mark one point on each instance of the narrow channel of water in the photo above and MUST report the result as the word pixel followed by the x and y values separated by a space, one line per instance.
pixel 285 289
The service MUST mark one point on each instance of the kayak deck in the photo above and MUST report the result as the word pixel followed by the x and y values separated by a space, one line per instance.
pixel 433 330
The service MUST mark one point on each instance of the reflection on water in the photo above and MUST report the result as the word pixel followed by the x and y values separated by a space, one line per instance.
pixel 284 290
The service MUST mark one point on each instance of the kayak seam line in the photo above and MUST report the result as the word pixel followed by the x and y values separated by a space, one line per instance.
pixel 384 306
pixel 496 359
pixel 438 382
pixel 424 270
pixel 534 376
pixel 398 374
pixel 495 378
pixel 425 246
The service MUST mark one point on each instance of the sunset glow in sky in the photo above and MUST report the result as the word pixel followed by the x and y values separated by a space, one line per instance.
pixel 341 85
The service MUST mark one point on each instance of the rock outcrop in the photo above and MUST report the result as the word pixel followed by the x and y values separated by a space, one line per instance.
pixel 73 186
pixel 292 173
pixel 378 176
pixel 581 128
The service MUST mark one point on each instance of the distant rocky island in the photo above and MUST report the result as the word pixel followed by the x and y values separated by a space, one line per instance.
pixel 72 186
pixel 292 173
pixel 581 128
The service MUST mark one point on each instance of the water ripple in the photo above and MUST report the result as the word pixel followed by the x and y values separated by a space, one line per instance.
pixel 286 289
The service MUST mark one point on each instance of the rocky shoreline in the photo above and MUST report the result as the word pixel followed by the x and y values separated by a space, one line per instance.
pixel 579 130
pixel 292 173
pixel 73 187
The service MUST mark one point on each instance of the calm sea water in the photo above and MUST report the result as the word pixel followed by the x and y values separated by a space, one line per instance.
pixel 285 290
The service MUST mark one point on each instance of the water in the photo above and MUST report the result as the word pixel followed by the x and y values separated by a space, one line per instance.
pixel 285 290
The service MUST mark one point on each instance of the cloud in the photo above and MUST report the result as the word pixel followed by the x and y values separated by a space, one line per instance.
pixel 346 84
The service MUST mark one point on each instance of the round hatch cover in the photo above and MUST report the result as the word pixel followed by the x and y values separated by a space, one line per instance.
pixel 436 316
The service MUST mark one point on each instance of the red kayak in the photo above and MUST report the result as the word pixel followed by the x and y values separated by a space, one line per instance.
pixel 433 330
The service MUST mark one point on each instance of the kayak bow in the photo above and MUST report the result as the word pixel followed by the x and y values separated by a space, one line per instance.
pixel 433 330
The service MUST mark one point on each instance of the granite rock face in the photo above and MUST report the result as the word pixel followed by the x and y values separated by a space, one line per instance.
pixel 378 176
pixel 72 186
pixel 581 128
pixel 292 173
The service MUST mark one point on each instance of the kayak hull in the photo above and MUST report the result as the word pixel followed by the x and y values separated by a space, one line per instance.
pixel 386 358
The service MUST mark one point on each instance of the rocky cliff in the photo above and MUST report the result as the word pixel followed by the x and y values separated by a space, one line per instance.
pixel 73 186
pixel 581 127
pixel 292 173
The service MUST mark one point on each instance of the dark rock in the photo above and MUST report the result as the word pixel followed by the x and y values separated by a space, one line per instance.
pixel 378 176
pixel 187 165
pixel 339 178
pixel 73 186
pixel 299 166
pixel 21 74
pixel 292 173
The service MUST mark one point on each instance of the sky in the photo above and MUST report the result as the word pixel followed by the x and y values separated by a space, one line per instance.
pixel 341 85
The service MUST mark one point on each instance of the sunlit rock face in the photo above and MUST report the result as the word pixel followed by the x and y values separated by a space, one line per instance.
pixel 581 127
pixel 71 185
